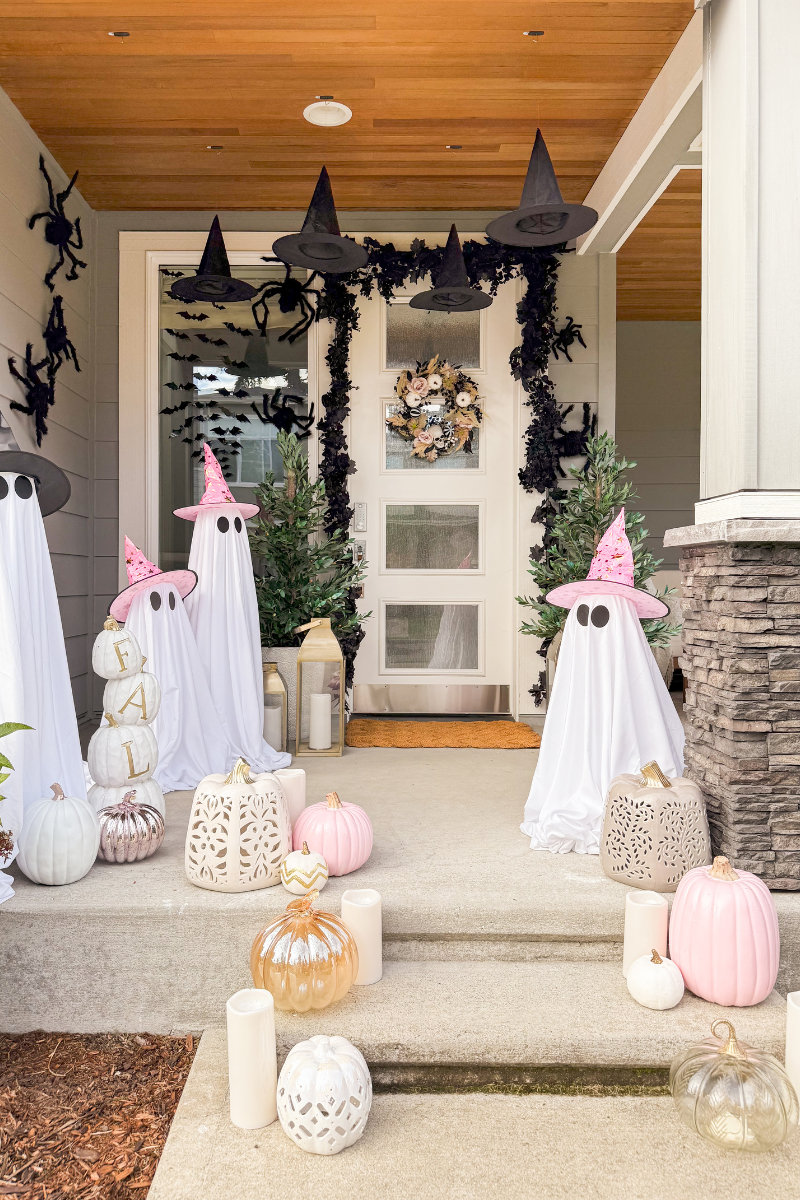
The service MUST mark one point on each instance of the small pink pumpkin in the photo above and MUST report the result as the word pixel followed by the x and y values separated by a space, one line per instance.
pixel 723 934
pixel 341 833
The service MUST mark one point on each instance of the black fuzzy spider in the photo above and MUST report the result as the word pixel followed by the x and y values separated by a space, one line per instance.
pixel 292 293
pixel 40 392
pixel 59 229
pixel 565 337
pixel 59 348
pixel 277 411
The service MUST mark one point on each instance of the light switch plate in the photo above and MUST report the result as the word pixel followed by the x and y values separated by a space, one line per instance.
pixel 360 517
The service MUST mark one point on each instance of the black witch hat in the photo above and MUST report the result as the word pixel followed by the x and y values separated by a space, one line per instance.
pixel 452 292
pixel 319 245
pixel 53 488
pixel 213 280
pixel 542 219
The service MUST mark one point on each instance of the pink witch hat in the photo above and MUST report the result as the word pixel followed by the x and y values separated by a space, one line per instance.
pixel 611 574
pixel 143 574
pixel 217 493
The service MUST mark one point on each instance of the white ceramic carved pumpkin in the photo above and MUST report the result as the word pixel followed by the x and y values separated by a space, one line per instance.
pixel 324 1094
pixel 59 839
pixel 147 792
pixel 655 982
pixel 239 832
pixel 134 700
pixel 122 754
pixel 303 870
pixel 116 654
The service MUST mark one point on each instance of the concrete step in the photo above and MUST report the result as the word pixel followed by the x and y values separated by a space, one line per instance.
pixel 465 1147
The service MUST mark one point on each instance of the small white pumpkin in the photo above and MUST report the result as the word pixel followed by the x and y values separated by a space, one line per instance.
pixel 655 982
pixel 59 839
pixel 134 700
pixel 303 870
pixel 116 654
pixel 324 1094
pixel 122 754
pixel 147 792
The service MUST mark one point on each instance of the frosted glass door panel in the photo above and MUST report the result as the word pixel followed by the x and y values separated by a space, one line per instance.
pixel 415 335
pixel 432 537
pixel 432 637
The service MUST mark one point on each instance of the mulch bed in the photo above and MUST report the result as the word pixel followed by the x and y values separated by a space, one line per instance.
pixel 86 1115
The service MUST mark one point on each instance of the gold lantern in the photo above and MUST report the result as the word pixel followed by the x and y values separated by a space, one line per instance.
pixel 320 656
pixel 275 707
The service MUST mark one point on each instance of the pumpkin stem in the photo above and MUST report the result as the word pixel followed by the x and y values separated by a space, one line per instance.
pixel 653 776
pixel 722 869
pixel 110 623
pixel 303 905
pixel 111 721
pixel 305 848
pixel 656 957
pixel 731 1047
pixel 129 797
pixel 333 800
pixel 57 790
pixel 240 773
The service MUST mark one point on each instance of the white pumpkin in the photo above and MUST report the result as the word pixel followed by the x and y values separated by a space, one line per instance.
pixel 303 870
pixel 134 700
pixel 324 1094
pixel 116 654
pixel 655 982
pixel 147 792
pixel 239 831
pixel 59 840
pixel 122 754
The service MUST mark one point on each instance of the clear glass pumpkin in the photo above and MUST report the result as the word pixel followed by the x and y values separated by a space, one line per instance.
pixel 734 1096
pixel 305 958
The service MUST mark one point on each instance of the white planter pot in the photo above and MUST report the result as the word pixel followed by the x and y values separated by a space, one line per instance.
pixel 285 657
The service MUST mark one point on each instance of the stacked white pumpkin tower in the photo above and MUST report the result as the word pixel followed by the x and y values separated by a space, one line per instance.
pixel 123 753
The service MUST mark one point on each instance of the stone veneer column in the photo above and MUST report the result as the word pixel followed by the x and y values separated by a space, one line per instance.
pixel 741 662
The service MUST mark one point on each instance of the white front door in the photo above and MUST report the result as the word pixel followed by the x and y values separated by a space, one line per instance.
pixel 439 538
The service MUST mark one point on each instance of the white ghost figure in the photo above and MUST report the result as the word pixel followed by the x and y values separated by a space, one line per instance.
pixel 35 686
pixel 223 612
pixel 609 712
pixel 191 739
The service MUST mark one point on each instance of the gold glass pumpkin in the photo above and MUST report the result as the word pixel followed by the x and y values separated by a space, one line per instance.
pixel 733 1095
pixel 305 958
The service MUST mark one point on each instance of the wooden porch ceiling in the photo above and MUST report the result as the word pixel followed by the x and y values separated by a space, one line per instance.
pixel 658 267
pixel 135 115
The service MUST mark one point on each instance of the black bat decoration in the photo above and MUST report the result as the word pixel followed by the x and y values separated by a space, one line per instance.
pixel 187 316
pixel 238 329
pixel 172 274
pixel 190 358
pixel 203 337
pixel 178 333
pixel 59 231
pixel 229 362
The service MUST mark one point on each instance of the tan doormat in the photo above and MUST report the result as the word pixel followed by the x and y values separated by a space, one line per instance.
pixel 467 735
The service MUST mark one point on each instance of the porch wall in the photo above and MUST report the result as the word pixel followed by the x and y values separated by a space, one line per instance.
pixel 25 304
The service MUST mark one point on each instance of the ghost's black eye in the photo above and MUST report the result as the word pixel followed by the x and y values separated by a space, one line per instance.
pixel 23 487
pixel 237 525
pixel 155 601
pixel 223 524
pixel 600 616
pixel 583 614
pixel 172 601
pixel 3 488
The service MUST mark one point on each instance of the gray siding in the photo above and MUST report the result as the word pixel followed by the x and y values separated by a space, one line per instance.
pixel 24 307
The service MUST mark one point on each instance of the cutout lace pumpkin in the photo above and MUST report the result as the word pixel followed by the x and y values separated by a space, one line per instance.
pixel 655 829
pixel 239 832
pixel 305 958
pixel 324 1094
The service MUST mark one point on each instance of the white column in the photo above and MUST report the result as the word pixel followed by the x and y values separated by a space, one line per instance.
pixel 751 261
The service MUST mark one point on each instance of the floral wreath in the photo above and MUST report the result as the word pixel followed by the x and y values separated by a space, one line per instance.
pixel 435 434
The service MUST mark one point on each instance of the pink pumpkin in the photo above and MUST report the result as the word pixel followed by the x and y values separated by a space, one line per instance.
pixel 723 934
pixel 341 833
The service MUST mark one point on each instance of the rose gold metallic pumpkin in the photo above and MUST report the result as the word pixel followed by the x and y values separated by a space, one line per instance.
pixel 129 832
pixel 306 959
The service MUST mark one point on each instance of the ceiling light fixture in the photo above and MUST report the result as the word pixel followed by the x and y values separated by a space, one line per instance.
pixel 454 146
pixel 119 33
pixel 215 147
pixel 327 112
pixel 533 33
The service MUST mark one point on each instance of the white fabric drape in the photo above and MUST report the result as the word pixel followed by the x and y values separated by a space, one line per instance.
pixel 223 612
pixel 12 702
pixel 192 742
pixel 610 712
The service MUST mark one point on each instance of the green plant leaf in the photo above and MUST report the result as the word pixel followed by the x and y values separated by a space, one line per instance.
pixel 7 727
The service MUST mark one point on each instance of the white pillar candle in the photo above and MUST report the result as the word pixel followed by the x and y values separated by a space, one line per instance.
pixel 646 917
pixel 252 1063
pixel 319 734
pixel 293 785
pixel 361 913
pixel 792 1057
pixel 273 726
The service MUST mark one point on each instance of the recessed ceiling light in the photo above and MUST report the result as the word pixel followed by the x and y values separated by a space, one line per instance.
pixel 453 146
pixel 119 33
pixel 215 147
pixel 533 33
pixel 327 111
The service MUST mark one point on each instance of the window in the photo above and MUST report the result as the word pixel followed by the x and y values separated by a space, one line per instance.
pixel 415 335
pixel 432 537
